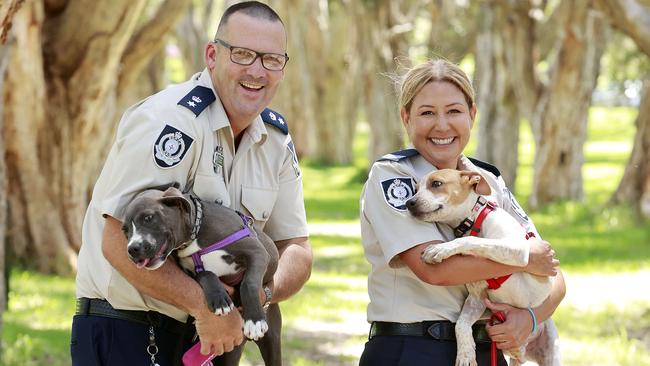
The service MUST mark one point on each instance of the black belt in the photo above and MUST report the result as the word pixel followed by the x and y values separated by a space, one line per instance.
pixel 102 308
pixel 439 330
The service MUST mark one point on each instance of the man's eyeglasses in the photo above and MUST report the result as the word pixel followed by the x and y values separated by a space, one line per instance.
pixel 245 56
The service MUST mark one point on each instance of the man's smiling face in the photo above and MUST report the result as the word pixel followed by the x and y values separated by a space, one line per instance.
pixel 245 90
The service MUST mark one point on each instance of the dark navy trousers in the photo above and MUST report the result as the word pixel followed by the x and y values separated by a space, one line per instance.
pixel 102 341
pixel 419 351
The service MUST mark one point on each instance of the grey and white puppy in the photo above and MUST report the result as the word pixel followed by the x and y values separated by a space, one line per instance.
pixel 159 222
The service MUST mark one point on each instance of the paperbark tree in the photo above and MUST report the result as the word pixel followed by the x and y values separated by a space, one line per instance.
pixel 634 188
pixel 62 101
pixel 633 19
pixel 560 121
pixel 384 28
pixel 506 82
pixel 320 94
pixel 7 11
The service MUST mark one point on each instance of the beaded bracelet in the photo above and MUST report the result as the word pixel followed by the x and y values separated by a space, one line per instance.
pixel 532 315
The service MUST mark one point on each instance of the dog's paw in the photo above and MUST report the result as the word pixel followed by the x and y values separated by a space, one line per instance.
pixel 466 360
pixel 436 253
pixel 221 306
pixel 255 329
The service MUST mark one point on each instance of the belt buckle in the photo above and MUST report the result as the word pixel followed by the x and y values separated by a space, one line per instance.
pixel 435 331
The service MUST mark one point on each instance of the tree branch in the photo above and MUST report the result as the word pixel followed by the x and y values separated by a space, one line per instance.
pixel 149 39
pixel 632 17
pixel 7 11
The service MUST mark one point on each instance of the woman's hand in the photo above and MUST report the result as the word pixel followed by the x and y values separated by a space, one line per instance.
pixel 512 333
pixel 541 259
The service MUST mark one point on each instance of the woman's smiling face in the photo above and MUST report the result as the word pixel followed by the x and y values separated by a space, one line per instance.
pixel 439 122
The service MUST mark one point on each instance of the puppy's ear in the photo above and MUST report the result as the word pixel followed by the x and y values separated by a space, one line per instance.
pixel 172 196
pixel 165 186
pixel 475 179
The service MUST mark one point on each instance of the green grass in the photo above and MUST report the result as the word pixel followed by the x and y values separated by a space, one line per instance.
pixel 325 322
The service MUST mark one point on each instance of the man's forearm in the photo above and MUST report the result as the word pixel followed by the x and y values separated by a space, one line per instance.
pixel 294 267
pixel 167 283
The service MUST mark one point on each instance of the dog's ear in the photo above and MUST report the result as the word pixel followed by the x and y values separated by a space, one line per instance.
pixel 172 196
pixel 475 179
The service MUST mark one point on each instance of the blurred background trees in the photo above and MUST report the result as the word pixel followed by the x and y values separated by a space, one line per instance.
pixel 70 68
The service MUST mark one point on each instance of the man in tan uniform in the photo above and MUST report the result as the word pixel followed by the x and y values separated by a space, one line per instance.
pixel 214 135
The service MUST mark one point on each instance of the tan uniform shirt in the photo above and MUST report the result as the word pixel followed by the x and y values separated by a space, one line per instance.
pixel 387 229
pixel 173 137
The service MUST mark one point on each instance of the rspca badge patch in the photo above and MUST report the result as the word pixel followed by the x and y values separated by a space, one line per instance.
pixel 170 147
pixel 397 191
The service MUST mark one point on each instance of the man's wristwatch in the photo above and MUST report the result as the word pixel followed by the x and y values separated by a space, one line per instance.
pixel 268 296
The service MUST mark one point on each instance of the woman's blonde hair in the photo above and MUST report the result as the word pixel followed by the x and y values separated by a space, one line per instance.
pixel 433 70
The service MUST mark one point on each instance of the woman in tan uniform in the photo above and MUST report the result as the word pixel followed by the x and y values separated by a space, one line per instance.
pixel 413 304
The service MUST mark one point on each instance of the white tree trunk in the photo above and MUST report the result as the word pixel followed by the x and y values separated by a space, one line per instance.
pixel 562 112
pixel 60 124
pixel 506 82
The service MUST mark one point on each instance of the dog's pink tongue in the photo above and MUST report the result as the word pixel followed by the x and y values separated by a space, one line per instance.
pixel 142 263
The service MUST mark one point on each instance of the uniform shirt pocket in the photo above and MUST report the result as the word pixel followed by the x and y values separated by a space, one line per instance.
pixel 211 188
pixel 259 201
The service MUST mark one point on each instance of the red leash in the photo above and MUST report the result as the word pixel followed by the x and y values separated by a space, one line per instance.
pixel 498 317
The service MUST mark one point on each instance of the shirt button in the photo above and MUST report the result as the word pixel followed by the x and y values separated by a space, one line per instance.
pixel 265 215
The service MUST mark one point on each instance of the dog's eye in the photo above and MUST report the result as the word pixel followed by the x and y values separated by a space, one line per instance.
pixel 436 184
pixel 147 219
pixel 125 229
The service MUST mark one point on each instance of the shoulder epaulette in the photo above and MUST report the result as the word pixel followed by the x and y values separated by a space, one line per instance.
pixel 399 155
pixel 483 165
pixel 198 99
pixel 275 119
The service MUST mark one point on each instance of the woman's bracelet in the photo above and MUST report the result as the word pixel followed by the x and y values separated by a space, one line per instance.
pixel 532 315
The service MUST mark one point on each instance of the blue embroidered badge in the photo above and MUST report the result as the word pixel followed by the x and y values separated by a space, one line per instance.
pixel 198 99
pixel 397 191
pixel 399 155
pixel 275 119
pixel 170 147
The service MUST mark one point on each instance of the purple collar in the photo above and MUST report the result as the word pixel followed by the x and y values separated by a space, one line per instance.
pixel 237 235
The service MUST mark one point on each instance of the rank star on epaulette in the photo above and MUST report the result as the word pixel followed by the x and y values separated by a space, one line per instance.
pixel 198 99
pixel 275 119
pixel 170 147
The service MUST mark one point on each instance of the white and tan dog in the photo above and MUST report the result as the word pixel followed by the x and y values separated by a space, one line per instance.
pixel 449 196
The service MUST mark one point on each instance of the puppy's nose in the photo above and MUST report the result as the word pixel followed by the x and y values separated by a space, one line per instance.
pixel 410 204
pixel 139 250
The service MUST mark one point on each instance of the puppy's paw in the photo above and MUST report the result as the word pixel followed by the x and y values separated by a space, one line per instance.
pixel 224 310
pixel 436 253
pixel 466 359
pixel 255 329
pixel 221 305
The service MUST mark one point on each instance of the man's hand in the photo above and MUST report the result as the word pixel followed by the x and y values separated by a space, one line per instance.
pixel 541 259
pixel 219 334
pixel 512 333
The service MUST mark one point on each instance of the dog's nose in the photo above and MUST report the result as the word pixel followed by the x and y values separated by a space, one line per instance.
pixel 139 250
pixel 410 204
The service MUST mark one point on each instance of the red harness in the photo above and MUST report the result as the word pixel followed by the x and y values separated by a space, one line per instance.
pixel 493 283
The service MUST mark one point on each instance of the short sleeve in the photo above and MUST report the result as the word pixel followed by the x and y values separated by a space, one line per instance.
pixel 147 152
pixel 288 218
pixel 394 228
